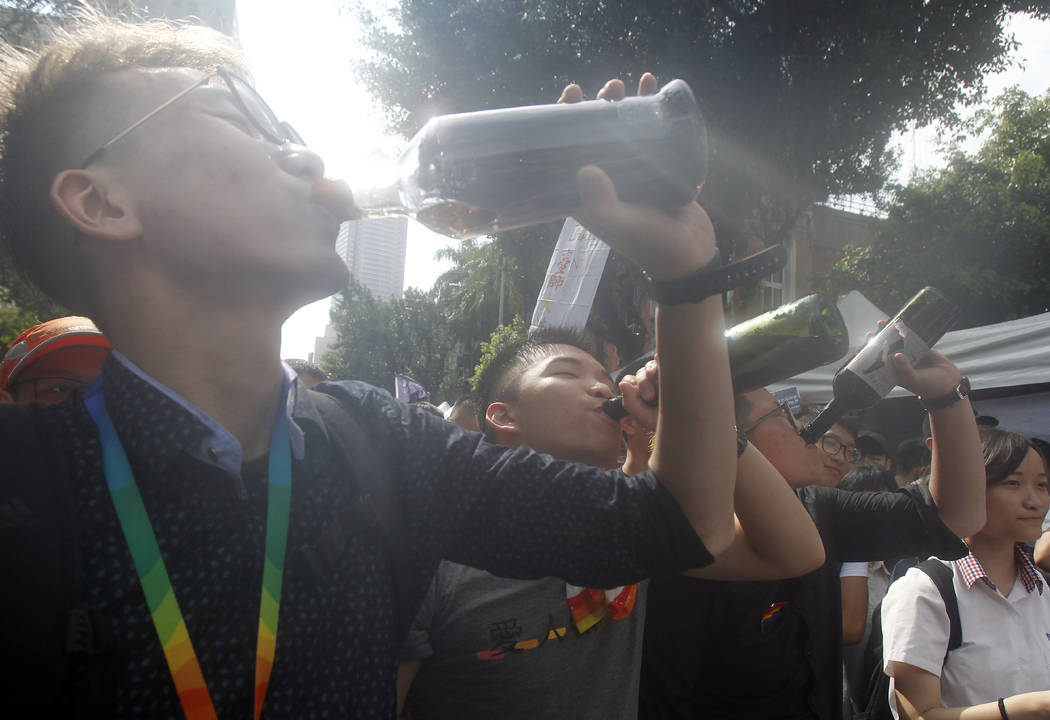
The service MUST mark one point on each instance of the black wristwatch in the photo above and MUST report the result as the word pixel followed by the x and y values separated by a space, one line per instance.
pixel 714 279
pixel 961 391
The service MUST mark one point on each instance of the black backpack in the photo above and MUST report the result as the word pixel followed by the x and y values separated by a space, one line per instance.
pixel 57 657
pixel 871 702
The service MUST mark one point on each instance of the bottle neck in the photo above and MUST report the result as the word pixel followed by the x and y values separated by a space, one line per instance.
pixel 823 421
pixel 379 201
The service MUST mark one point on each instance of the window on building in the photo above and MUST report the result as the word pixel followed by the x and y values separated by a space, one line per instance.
pixel 772 291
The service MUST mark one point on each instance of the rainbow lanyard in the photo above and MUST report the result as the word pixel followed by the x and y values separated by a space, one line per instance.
pixel 160 596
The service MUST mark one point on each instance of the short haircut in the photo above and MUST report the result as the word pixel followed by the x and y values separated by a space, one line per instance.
pixel 1043 448
pixel 912 454
pixel 1004 451
pixel 305 367
pixel 498 382
pixel 429 407
pixel 465 407
pixel 55 110
pixel 868 478
pixel 848 425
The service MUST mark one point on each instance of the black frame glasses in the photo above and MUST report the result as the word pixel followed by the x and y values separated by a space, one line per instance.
pixel 781 407
pixel 850 452
pixel 248 101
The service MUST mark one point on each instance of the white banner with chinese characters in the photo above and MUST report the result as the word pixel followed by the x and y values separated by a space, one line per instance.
pixel 572 278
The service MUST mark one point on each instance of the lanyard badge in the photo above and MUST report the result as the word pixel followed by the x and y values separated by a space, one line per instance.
pixel 160 595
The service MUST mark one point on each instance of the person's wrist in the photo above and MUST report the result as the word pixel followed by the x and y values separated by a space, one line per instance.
pixel 715 279
pixel 942 399
pixel 684 266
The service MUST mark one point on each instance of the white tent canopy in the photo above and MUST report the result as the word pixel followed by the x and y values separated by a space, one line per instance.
pixel 1005 355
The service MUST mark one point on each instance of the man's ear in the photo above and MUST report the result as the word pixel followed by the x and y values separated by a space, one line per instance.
pixel 83 199
pixel 500 416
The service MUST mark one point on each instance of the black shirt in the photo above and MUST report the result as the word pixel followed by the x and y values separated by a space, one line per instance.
pixel 516 513
pixel 774 649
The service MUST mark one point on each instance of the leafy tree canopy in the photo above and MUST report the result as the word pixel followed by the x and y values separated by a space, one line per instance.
pixel 800 98
pixel 502 336
pixel 979 228
pixel 380 338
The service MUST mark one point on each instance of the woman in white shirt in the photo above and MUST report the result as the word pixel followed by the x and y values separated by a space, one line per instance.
pixel 1002 669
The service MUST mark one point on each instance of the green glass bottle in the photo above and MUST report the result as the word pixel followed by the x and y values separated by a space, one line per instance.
pixel 778 344
pixel 869 375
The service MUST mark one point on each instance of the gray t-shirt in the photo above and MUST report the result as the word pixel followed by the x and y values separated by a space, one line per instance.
pixel 493 647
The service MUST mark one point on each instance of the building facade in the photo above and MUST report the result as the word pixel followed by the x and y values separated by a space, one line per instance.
pixel 374 251
pixel 817 242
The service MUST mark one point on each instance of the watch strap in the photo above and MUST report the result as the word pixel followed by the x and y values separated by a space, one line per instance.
pixel 962 390
pixel 715 279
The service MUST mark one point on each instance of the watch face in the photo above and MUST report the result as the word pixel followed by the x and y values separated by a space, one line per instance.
pixel 964 387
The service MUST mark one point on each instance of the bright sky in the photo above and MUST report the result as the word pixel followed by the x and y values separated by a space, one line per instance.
pixel 302 58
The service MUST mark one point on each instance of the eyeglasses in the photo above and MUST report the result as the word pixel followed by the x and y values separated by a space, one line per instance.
pixel 832 445
pixel 249 102
pixel 47 390
pixel 781 408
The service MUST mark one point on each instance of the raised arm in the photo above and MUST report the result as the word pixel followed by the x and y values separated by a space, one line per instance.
pixel 774 535
pixel 695 451
pixel 957 480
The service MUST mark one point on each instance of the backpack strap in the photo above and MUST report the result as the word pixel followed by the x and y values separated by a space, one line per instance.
pixel 942 577
pixel 363 455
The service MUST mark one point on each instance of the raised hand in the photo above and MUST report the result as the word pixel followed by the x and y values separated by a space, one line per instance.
pixel 667 245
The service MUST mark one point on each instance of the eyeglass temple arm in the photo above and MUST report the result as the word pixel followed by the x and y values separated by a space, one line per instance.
pixel 98 153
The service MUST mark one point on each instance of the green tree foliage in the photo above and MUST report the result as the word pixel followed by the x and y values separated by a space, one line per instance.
pixel 800 97
pixel 501 337
pixel 979 228
pixel 381 338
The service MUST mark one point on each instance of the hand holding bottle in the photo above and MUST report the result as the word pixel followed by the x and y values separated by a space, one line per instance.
pixel 934 376
pixel 639 393
pixel 666 244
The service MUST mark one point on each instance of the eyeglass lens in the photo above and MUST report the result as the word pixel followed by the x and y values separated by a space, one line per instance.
pixel 259 112
pixel 831 445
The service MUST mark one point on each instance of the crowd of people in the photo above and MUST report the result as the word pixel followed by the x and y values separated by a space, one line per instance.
pixel 193 527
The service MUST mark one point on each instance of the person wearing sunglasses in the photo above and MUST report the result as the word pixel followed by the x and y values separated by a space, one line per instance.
pixel 780 643
pixel 221 552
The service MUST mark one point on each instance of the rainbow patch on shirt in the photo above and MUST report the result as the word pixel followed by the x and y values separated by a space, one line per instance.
pixel 772 614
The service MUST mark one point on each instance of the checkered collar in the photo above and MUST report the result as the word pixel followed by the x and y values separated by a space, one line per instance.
pixel 971 570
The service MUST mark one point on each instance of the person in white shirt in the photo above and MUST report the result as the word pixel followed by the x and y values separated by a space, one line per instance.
pixel 1002 669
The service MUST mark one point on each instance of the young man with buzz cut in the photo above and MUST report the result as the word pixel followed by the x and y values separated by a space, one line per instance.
pixel 488 646
pixel 200 539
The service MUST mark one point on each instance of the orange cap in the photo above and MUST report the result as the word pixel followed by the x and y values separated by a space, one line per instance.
pixel 42 340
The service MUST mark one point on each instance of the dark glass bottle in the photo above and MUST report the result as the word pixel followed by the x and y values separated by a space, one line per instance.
pixel 869 375
pixel 778 344
pixel 482 172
